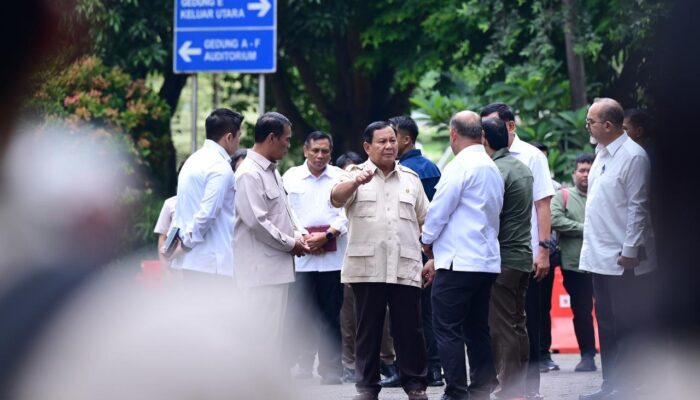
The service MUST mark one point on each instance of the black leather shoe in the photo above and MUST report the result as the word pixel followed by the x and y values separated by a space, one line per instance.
pixel 348 375
pixel 587 364
pixel 387 369
pixel 435 377
pixel 448 397
pixel 391 376
pixel 394 381
pixel 601 394
pixel 547 364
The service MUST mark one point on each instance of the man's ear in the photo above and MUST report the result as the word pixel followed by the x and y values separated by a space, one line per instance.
pixel 511 126
pixel 366 146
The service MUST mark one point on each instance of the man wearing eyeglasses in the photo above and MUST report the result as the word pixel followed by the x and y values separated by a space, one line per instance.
pixel 618 246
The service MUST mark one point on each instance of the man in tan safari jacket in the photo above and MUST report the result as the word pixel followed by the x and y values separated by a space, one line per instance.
pixel 386 207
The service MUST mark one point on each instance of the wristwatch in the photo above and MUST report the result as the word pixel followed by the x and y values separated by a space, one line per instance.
pixel 330 235
pixel 547 244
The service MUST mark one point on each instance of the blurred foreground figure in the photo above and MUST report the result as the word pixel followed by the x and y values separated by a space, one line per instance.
pixel 72 330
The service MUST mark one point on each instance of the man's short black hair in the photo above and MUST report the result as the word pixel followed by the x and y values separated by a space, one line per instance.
pixel 496 132
pixel 270 122
pixel 541 146
pixel 317 135
pixel 349 156
pixel 639 118
pixel 504 112
pixel 222 121
pixel 240 153
pixel 368 134
pixel 407 124
pixel 586 158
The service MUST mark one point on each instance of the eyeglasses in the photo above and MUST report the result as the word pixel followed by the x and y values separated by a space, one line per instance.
pixel 590 122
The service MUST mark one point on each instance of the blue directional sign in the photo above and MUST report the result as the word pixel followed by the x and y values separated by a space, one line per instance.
pixel 225 35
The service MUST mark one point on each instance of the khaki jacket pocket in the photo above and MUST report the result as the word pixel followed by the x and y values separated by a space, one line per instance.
pixel 410 263
pixel 360 261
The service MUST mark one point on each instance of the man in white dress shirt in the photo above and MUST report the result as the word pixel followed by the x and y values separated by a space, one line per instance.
pixel 461 231
pixel 618 245
pixel 205 200
pixel 542 193
pixel 317 294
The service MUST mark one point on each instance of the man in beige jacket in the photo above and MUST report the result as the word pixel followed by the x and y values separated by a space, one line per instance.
pixel 265 235
pixel 386 207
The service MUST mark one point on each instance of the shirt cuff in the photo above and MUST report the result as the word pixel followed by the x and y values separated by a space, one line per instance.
pixel 289 243
pixel 630 251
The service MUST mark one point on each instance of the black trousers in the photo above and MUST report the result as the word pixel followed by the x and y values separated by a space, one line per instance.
pixel 623 312
pixel 315 299
pixel 371 300
pixel 461 316
pixel 533 309
pixel 580 288
pixel 430 342
pixel 546 287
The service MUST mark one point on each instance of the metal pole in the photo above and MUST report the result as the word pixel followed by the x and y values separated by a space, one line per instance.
pixel 261 94
pixel 194 113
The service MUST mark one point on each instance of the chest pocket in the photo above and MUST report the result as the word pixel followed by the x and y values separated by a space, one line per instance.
pixel 366 203
pixel 273 198
pixel 296 194
pixel 407 206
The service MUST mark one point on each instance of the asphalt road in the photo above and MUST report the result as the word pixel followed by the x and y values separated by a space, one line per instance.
pixel 564 384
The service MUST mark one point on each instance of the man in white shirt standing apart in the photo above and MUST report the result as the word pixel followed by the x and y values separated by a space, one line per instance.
pixel 205 200
pixel 317 294
pixel 618 246
pixel 461 231
pixel 541 221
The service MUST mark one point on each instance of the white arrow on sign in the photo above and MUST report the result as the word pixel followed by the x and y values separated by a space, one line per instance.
pixel 186 51
pixel 263 6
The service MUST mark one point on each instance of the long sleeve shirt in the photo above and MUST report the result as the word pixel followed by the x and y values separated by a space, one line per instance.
pixel 617 220
pixel 428 172
pixel 463 219
pixel 309 198
pixel 265 229
pixel 567 221
pixel 205 212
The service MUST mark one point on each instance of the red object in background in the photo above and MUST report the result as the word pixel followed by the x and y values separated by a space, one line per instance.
pixel 150 271
pixel 563 336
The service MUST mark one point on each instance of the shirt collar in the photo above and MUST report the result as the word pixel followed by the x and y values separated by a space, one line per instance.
pixel 517 146
pixel 306 172
pixel 613 147
pixel 259 159
pixel 474 148
pixel 210 144
pixel 370 166
pixel 500 153
pixel 410 154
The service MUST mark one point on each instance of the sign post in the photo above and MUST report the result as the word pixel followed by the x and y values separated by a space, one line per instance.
pixel 225 36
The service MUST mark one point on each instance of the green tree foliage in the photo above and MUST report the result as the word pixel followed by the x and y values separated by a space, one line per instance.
pixel 114 103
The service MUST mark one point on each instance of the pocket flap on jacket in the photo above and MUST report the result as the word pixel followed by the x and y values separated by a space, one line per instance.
pixel 363 250
pixel 410 252
pixel 366 195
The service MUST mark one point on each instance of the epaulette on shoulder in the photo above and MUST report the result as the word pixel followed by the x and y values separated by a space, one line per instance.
pixel 410 171
pixel 353 167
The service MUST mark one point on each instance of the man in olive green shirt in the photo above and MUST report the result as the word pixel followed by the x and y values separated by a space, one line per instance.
pixel 568 211
pixel 509 340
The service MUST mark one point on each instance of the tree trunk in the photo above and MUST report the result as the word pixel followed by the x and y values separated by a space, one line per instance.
pixel 172 87
pixel 574 60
